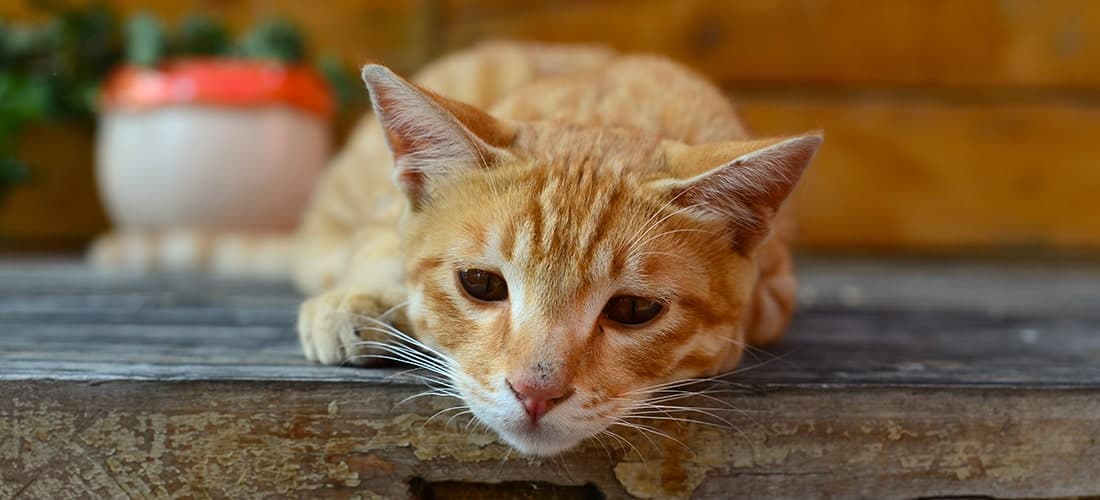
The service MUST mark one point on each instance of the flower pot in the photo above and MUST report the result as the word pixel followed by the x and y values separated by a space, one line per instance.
pixel 217 144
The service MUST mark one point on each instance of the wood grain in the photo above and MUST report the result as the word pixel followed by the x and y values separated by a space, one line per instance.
pixel 920 174
pixel 338 439
pixel 969 43
pixel 899 379
pixel 58 315
pixel 1015 43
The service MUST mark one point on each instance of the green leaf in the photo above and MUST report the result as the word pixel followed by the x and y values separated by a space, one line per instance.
pixel 22 99
pixel 346 86
pixel 201 35
pixel 145 41
pixel 12 172
pixel 275 39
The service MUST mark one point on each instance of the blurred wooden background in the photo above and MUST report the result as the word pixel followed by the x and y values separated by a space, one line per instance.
pixel 952 126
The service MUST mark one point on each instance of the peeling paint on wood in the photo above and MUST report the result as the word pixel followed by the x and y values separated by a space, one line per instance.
pixel 248 439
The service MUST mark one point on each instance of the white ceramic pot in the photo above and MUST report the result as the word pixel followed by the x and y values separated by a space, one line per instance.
pixel 210 145
pixel 218 168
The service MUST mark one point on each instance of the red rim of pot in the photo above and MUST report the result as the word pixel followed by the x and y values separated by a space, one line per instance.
pixel 219 82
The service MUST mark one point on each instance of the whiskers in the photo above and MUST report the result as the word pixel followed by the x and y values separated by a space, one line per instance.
pixel 439 372
pixel 678 402
pixel 756 354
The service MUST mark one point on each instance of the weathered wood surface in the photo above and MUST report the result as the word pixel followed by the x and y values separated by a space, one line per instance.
pixel 898 380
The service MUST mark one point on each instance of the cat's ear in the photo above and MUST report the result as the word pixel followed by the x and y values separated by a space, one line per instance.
pixel 431 136
pixel 742 183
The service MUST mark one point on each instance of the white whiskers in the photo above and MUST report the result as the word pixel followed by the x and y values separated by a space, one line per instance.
pixel 669 402
pixel 622 441
pixel 438 371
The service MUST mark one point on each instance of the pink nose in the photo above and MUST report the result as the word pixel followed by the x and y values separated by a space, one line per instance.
pixel 538 400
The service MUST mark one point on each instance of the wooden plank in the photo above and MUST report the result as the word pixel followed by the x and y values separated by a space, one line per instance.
pixel 919 174
pixel 859 322
pixel 899 379
pixel 132 438
pixel 969 43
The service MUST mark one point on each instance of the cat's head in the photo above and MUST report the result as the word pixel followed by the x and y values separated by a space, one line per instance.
pixel 568 271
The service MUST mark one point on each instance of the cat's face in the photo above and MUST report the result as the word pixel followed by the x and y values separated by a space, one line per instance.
pixel 567 273
pixel 570 288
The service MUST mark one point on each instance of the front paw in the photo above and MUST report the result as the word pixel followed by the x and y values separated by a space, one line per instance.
pixel 333 327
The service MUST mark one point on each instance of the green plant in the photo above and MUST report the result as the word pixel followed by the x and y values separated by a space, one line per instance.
pixel 52 71
pixel 202 35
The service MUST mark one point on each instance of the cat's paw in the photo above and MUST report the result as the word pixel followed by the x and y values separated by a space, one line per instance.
pixel 333 326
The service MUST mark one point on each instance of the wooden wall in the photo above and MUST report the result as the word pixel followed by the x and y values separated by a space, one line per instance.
pixel 951 125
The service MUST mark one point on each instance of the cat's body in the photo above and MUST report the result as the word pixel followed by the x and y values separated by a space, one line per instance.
pixel 581 188
pixel 607 226
pixel 357 207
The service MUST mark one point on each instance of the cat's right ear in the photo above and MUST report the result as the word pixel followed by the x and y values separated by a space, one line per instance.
pixel 431 136
pixel 742 183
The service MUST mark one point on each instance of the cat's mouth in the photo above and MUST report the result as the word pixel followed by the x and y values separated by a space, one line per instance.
pixel 556 432
pixel 562 426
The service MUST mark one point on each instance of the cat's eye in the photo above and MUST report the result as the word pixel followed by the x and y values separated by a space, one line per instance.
pixel 483 285
pixel 631 310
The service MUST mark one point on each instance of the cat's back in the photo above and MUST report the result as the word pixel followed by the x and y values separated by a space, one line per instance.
pixel 484 74
pixel 647 93
pixel 586 85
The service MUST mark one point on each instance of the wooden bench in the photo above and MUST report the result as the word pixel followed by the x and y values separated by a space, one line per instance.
pixel 898 379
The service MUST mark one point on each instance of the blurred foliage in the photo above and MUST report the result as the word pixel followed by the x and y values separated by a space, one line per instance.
pixel 202 35
pixel 145 40
pixel 347 88
pixel 52 71
pixel 275 39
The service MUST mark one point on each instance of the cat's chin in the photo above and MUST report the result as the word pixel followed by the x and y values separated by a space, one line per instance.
pixel 539 441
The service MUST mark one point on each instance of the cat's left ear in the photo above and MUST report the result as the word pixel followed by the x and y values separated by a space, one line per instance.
pixel 432 137
pixel 743 184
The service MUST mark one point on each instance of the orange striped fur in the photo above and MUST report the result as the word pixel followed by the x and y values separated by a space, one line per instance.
pixel 577 175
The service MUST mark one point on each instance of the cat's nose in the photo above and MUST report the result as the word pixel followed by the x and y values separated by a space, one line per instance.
pixel 537 400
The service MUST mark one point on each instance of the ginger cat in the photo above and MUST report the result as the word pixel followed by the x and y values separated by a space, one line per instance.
pixel 560 228
pixel 554 233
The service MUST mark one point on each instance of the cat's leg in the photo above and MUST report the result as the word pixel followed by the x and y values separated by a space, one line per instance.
pixel 334 326
pixel 369 304
pixel 365 302
pixel 348 257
